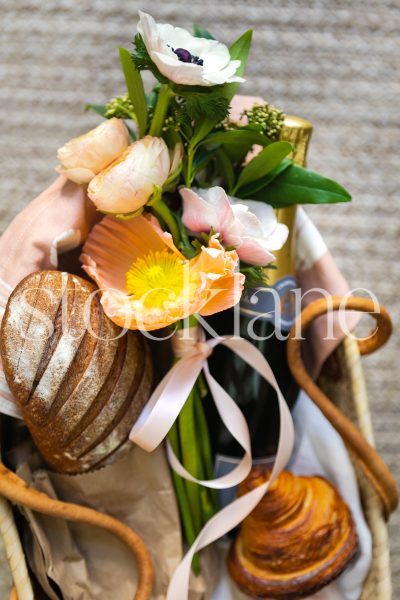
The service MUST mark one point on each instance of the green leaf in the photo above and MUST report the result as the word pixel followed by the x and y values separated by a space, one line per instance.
pixel 201 102
pixel 100 109
pixel 255 276
pixel 200 32
pixel 201 160
pixel 239 51
pixel 201 130
pixel 226 168
pixel 185 244
pixel 135 87
pixel 248 191
pixel 264 162
pixel 237 142
pixel 297 185
pixel 254 127
pixel 236 136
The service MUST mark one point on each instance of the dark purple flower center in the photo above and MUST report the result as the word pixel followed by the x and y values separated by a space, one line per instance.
pixel 183 55
pixel 186 57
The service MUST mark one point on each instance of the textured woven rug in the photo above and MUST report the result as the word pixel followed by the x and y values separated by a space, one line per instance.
pixel 333 63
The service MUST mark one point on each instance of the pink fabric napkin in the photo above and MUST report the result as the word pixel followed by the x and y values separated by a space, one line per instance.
pixel 316 270
pixel 58 220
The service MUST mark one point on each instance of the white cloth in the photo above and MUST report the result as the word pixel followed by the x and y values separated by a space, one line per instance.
pixel 319 450
pixel 310 245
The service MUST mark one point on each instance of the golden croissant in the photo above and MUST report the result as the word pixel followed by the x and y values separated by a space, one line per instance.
pixel 299 538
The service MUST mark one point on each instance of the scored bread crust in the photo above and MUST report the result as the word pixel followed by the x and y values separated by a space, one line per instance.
pixel 78 379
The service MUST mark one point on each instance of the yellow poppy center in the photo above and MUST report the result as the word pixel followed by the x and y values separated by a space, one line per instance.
pixel 156 278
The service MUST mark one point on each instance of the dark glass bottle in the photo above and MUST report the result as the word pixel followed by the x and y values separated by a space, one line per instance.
pixel 266 316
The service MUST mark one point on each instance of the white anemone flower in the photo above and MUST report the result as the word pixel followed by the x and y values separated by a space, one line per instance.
pixel 185 59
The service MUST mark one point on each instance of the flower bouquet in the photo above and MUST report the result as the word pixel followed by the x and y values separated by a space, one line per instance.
pixel 183 202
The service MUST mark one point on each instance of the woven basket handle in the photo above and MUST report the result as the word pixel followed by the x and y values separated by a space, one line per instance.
pixel 367 457
pixel 16 490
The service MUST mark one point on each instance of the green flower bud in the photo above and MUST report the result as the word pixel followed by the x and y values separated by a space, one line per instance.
pixel 120 107
pixel 268 117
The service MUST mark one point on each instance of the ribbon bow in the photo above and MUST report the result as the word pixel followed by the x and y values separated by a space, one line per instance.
pixel 164 407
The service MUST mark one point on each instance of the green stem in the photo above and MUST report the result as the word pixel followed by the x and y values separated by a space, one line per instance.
pixel 189 167
pixel 202 386
pixel 205 444
pixel 190 441
pixel 207 508
pixel 182 499
pixel 157 122
pixel 161 210
pixel 190 455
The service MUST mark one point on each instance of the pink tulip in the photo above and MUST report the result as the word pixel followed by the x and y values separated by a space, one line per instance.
pixel 249 226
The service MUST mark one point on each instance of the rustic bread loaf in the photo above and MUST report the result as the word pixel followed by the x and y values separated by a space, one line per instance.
pixel 79 381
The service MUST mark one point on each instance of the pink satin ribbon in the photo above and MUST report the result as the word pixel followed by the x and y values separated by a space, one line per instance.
pixel 164 407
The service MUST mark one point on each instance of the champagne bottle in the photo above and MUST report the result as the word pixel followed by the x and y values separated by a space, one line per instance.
pixel 266 316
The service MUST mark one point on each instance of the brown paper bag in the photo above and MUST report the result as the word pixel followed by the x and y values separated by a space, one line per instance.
pixel 86 563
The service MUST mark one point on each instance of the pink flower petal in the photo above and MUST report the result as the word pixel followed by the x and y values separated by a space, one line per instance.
pixel 250 223
pixel 253 252
pixel 218 199
pixel 198 215
pixel 260 222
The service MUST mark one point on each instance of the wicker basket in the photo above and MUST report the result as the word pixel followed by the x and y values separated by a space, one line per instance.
pixel 349 393
pixel 345 385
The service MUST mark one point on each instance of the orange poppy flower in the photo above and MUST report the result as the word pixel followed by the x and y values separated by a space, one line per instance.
pixel 147 283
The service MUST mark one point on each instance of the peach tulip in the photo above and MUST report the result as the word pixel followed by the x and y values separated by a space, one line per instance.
pixel 147 283
pixel 83 157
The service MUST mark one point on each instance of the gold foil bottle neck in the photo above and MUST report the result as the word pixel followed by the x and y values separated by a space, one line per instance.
pixel 298 132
